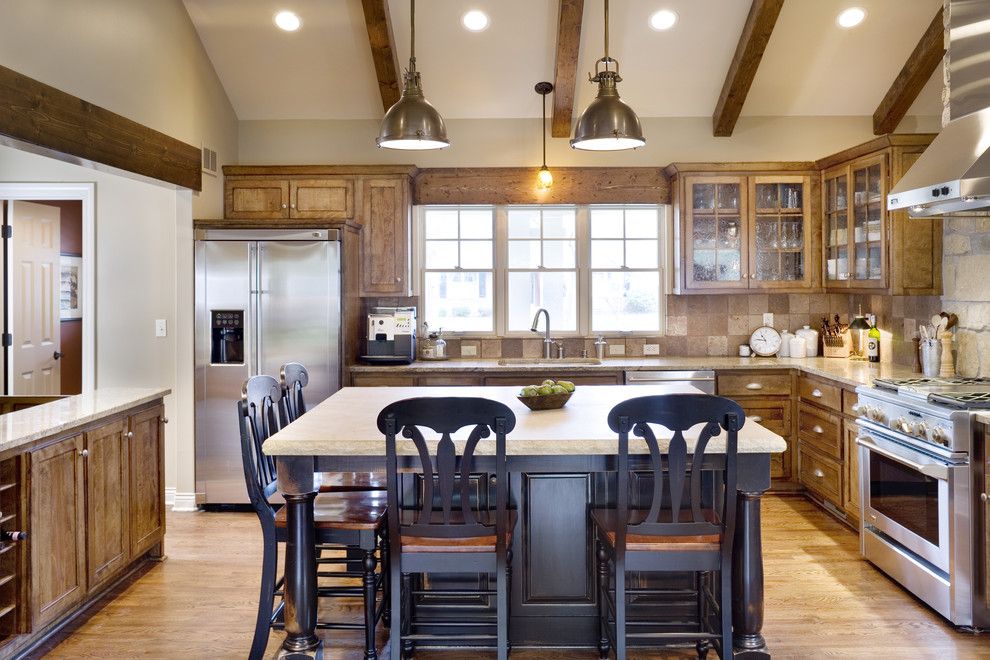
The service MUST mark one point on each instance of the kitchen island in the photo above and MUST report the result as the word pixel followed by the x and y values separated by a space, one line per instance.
pixel 559 462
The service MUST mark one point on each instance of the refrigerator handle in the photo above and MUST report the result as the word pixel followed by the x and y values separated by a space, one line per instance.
pixel 252 322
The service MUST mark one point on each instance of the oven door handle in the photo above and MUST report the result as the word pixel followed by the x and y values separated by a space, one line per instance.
pixel 933 470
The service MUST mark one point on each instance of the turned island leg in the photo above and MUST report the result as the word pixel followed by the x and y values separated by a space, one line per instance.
pixel 295 481
pixel 747 580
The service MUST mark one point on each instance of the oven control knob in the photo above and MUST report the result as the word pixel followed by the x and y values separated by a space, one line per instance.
pixel 939 436
pixel 921 430
pixel 902 425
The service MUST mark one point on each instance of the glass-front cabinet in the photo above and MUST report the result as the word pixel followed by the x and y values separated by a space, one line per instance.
pixel 745 232
pixel 855 224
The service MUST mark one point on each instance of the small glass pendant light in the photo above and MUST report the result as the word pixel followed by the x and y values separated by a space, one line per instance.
pixel 607 124
pixel 412 123
pixel 544 178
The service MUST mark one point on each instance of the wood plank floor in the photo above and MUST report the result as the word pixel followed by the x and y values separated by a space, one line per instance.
pixel 822 600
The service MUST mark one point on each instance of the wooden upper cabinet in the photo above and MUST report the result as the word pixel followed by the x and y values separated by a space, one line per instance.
pixel 107 540
pixel 58 535
pixel 321 198
pixel 746 232
pixel 385 236
pixel 256 199
pixel 146 485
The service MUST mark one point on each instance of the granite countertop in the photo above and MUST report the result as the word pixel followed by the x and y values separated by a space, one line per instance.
pixel 345 424
pixel 47 419
pixel 849 372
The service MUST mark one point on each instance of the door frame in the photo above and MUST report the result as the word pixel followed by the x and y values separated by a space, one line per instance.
pixel 85 193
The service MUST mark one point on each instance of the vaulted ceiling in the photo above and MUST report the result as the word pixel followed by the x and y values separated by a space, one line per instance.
pixel 811 67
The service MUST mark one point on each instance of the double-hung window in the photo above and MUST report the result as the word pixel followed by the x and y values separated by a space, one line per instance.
pixel 485 270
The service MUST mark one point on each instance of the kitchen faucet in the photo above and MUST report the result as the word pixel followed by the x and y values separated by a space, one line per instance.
pixel 547 341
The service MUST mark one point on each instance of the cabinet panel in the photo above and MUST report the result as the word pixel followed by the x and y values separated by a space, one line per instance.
pixel 384 380
pixel 820 475
pixel 385 237
pixel 856 225
pixel 775 415
pixel 534 378
pixel 321 198
pixel 146 480
pixel 107 538
pixel 780 232
pixel 850 501
pixel 58 555
pixel 449 380
pixel 248 199
pixel 820 430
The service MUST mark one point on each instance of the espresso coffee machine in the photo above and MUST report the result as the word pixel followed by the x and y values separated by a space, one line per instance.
pixel 391 336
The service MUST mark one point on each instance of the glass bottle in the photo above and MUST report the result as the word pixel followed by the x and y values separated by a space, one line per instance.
pixel 873 341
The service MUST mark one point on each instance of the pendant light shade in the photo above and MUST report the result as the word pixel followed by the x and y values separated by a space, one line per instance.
pixel 607 124
pixel 412 123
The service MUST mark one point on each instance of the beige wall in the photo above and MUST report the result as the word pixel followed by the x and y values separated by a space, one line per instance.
pixel 516 142
pixel 139 58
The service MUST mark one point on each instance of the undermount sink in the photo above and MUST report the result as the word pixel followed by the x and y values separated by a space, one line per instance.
pixel 562 362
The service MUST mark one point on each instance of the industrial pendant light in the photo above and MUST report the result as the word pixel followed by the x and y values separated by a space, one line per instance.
pixel 607 124
pixel 544 179
pixel 412 123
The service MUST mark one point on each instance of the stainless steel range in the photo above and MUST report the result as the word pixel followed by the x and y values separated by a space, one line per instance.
pixel 921 477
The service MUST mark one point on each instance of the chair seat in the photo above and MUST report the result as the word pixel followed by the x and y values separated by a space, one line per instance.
pixel 342 482
pixel 606 520
pixel 349 510
pixel 466 544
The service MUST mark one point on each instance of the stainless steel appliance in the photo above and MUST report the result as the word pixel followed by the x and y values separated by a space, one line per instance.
pixel 263 298
pixel 391 336
pixel 920 485
pixel 704 380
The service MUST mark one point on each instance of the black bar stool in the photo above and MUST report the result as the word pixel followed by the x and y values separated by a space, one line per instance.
pixel 438 534
pixel 351 522
pixel 687 527
pixel 294 378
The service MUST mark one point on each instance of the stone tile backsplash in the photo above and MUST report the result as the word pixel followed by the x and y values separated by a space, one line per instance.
pixel 966 290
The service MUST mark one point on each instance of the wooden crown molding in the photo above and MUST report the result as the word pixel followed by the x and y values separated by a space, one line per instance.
pixel 915 73
pixel 517 185
pixel 565 66
pixel 317 170
pixel 799 167
pixel 41 115
pixel 383 53
pixel 874 145
pixel 749 52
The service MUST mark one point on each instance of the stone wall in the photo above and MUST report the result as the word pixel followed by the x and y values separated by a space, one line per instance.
pixel 966 290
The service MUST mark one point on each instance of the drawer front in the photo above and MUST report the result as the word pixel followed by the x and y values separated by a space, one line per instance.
pixel 536 378
pixel 775 416
pixel 820 430
pixel 376 380
pixel 449 381
pixel 754 384
pixel 820 393
pixel 821 476
pixel 849 402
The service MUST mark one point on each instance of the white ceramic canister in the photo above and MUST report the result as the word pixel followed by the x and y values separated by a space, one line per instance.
pixel 810 337
pixel 797 346
pixel 785 344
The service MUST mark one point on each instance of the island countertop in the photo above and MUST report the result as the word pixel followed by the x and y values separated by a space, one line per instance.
pixel 47 419
pixel 345 424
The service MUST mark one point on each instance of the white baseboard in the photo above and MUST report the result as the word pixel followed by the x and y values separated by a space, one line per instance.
pixel 169 496
pixel 183 501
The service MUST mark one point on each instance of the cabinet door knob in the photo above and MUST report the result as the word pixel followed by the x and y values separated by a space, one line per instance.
pixel 756 418
pixel 164 420
pixel 817 429
pixel 754 386
pixel 983 497
pixel 816 393
pixel 130 434
pixel 398 279
pixel 84 453
pixel 293 206
pixel 283 206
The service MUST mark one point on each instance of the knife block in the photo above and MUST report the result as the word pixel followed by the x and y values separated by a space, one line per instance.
pixel 837 346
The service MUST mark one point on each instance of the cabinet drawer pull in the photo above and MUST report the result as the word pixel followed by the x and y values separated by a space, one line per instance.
pixel 817 429
pixel 754 386
pixel 756 418
pixel 283 206
pixel 84 453
pixel 293 206
pixel 818 473
pixel 817 393
pixel 129 434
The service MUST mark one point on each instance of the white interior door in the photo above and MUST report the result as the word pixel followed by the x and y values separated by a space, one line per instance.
pixel 35 274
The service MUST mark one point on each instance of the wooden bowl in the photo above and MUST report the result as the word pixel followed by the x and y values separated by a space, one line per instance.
pixel 546 401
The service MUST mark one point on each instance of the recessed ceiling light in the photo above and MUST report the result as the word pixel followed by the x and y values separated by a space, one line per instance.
pixel 663 20
pixel 475 20
pixel 851 17
pixel 288 21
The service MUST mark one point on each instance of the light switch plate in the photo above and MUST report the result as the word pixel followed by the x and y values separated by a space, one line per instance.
pixel 469 351
pixel 651 349
pixel 768 319
pixel 616 349
pixel 160 328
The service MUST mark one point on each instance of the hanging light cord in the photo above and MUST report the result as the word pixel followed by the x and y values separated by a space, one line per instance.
pixel 607 59
pixel 543 129
pixel 412 34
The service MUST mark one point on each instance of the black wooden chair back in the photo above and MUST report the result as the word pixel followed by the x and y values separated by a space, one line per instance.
pixel 258 414
pixel 677 413
pixel 294 378
pixel 438 462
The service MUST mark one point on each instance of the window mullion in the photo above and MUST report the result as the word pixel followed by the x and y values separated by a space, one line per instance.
pixel 500 267
pixel 583 262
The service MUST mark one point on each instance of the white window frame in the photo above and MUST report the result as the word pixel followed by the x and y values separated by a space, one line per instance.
pixel 583 267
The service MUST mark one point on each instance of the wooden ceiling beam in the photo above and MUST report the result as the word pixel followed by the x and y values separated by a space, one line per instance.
pixel 383 54
pixel 565 67
pixel 915 73
pixel 749 51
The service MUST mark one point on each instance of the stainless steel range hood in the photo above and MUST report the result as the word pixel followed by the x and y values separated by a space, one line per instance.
pixel 952 176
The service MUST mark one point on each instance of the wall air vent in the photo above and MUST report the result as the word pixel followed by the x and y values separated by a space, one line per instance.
pixel 210 161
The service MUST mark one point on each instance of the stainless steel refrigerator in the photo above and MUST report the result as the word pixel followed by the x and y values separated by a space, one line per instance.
pixel 263 298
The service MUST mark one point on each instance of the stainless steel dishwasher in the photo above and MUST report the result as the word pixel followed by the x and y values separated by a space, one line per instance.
pixel 704 380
